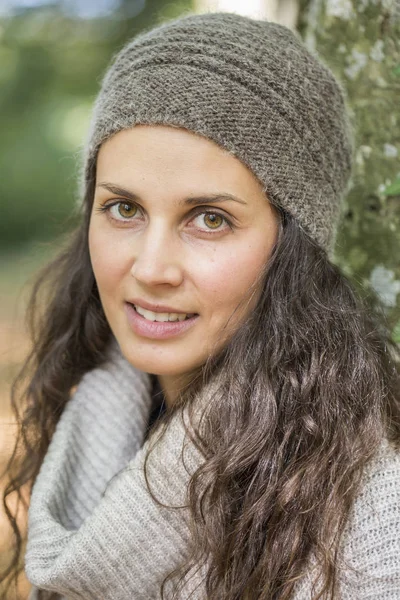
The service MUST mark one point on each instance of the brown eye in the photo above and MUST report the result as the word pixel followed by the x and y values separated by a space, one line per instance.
pixel 125 210
pixel 213 220
pixel 210 222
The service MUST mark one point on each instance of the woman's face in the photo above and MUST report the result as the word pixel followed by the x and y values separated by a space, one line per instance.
pixel 162 236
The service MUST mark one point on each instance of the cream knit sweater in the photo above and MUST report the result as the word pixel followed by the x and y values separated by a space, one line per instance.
pixel 94 536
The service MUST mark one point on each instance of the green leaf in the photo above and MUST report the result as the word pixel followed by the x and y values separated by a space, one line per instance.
pixel 396 70
pixel 393 189
pixel 396 333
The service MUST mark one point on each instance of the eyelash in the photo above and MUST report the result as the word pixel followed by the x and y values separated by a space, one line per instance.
pixel 200 211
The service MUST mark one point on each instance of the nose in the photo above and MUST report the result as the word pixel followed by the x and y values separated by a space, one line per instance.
pixel 156 258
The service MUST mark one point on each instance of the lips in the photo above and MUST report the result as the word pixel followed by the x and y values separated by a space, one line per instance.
pixel 162 317
pixel 153 329
pixel 157 308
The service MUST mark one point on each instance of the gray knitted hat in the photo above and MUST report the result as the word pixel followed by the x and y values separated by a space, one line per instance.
pixel 250 86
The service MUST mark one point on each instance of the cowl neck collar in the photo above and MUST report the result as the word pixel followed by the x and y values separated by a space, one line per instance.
pixel 94 531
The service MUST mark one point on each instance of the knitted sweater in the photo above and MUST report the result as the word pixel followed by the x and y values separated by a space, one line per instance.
pixel 95 533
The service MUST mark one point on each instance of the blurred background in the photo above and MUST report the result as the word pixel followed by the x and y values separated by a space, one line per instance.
pixel 53 55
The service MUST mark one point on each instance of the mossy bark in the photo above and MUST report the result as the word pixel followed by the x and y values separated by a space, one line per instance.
pixel 360 41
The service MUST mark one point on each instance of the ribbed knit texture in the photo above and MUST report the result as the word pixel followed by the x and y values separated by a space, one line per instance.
pixel 84 544
pixel 95 533
pixel 250 86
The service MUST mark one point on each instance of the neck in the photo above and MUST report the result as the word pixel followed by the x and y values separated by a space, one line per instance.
pixel 171 385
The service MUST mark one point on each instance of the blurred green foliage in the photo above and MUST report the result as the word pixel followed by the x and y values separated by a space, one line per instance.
pixel 51 66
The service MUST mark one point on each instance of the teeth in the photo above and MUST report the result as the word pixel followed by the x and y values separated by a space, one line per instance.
pixel 163 317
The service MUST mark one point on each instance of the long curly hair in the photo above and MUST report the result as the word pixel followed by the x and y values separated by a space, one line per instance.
pixel 309 386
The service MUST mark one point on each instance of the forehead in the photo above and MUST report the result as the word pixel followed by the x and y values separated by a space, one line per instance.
pixel 173 157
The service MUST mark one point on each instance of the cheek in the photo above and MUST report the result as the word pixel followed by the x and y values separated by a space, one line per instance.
pixel 106 258
pixel 229 275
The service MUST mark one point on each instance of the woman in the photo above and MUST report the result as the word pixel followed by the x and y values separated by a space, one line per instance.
pixel 248 448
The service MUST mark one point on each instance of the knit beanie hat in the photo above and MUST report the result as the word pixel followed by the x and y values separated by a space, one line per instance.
pixel 253 88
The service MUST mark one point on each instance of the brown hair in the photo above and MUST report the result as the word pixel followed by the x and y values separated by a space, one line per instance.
pixel 311 383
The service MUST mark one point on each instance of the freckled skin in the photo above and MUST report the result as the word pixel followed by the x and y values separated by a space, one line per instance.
pixel 164 255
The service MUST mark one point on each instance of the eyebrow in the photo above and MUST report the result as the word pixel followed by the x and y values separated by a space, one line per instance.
pixel 190 201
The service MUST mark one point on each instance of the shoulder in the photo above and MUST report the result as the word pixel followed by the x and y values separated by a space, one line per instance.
pixel 378 502
pixel 371 541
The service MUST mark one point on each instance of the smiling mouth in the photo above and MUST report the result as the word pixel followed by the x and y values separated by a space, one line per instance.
pixel 162 317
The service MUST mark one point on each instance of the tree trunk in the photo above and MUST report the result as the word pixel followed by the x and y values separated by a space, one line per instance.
pixel 360 41
pixel 279 11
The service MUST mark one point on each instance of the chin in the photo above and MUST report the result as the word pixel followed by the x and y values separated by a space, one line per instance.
pixel 153 362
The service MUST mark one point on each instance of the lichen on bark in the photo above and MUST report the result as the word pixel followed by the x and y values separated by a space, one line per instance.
pixel 360 41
